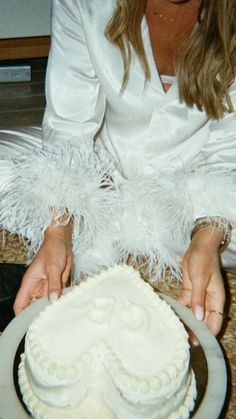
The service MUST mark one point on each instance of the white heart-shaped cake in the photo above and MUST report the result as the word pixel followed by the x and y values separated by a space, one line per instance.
pixel 109 349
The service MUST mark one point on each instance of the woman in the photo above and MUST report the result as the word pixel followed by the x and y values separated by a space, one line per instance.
pixel 138 148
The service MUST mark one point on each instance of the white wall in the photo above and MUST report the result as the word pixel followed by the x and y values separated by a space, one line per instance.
pixel 22 18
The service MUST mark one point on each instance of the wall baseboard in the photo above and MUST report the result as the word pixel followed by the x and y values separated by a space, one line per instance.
pixel 21 48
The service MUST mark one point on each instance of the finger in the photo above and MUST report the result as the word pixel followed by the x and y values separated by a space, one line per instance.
pixel 66 273
pixel 54 283
pixel 192 337
pixel 29 289
pixel 22 300
pixel 199 285
pixel 185 297
pixel 215 306
pixel 24 294
pixel 186 291
pixel 214 321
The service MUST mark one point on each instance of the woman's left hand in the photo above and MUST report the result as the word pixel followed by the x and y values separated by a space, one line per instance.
pixel 202 283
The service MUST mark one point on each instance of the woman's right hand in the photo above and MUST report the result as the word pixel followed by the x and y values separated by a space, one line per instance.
pixel 49 270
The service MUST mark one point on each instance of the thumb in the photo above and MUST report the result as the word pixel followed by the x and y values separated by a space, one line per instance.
pixel 198 297
pixel 22 300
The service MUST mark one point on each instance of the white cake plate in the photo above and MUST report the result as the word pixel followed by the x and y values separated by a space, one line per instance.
pixel 214 395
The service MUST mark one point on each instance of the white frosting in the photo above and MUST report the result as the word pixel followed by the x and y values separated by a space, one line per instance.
pixel 110 348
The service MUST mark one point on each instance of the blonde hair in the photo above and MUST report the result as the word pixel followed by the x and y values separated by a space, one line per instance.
pixel 124 30
pixel 206 65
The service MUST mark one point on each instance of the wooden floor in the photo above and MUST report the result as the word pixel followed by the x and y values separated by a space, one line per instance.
pixel 23 103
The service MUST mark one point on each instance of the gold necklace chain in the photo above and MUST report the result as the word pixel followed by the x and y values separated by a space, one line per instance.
pixel 162 16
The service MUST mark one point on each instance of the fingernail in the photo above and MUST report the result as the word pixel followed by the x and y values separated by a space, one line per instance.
pixel 199 314
pixel 195 342
pixel 53 297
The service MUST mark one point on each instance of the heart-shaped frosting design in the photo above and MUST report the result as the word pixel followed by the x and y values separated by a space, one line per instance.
pixel 111 340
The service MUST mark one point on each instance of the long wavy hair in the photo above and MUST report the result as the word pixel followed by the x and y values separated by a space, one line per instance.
pixel 206 64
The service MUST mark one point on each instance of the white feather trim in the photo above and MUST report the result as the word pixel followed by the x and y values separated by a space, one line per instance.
pixel 156 218
pixel 150 216
pixel 46 184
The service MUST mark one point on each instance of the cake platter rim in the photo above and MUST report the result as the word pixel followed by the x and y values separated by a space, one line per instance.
pixel 210 406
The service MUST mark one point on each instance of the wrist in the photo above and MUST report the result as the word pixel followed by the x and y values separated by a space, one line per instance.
pixel 214 231
pixel 54 232
pixel 209 236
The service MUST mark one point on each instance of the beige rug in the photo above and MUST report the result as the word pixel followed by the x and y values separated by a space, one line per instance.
pixel 13 251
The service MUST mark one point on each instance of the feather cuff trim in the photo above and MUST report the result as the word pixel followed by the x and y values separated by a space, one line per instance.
pixel 47 184
pixel 149 217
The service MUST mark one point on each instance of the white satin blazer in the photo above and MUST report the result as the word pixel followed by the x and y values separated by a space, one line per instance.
pixel 144 127
pixel 170 163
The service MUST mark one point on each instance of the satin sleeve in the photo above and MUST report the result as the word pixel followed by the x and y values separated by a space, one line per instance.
pixel 220 151
pixel 65 177
pixel 215 193
pixel 181 192
pixel 75 100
